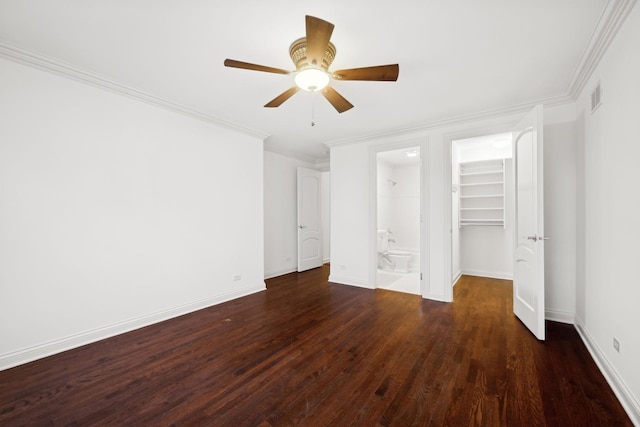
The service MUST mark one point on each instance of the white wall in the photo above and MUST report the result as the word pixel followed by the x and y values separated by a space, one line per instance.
pixel 469 153
pixel 399 205
pixel 115 214
pixel 325 206
pixel 405 199
pixel 559 220
pixel 350 215
pixel 609 207
pixel 383 186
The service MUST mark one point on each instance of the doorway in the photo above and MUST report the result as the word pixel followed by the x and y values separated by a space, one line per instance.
pixel 398 220
pixel 482 206
pixel 523 214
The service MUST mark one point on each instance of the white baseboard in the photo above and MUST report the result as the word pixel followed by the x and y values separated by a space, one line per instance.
pixel 456 277
pixel 579 321
pixel 435 297
pixel 351 281
pixel 622 392
pixel 491 274
pixel 559 316
pixel 277 273
pixel 19 357
pixel 326 260
pixel 283 271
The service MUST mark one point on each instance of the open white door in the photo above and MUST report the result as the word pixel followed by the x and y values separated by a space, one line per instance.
pixel 309 220
pixel 528 268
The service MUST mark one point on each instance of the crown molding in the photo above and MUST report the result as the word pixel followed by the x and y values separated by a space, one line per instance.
pixel 18 54
pixel 421 128
pixel 609 23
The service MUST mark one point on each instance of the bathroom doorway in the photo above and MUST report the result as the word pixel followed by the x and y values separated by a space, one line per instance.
pixel 398 220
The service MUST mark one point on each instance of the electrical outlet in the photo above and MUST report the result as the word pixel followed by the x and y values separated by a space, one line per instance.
pixel 237 277
pixel 616 345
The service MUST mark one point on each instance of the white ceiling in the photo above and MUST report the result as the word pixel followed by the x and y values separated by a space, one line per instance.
pixel 457 57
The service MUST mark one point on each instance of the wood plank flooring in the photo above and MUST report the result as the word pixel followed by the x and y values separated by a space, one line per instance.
pixel 308 352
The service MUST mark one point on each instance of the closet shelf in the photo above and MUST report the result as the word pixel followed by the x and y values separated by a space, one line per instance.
pixel 481 173
pixel 481 196
pixel 475 184
pixel 486 223
pixel 481 186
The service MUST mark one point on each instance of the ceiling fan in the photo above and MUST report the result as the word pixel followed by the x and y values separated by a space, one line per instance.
pixel 312 55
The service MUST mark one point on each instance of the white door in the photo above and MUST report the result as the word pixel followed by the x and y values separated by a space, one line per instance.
pixel 309 221
pixel 528 268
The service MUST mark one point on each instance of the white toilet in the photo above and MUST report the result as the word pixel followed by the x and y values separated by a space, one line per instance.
pixel 400 260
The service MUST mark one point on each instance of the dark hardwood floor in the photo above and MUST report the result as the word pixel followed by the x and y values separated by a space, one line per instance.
pixel 307 352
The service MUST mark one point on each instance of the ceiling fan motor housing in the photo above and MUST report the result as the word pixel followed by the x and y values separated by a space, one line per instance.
pixel 313 55
pixel 298 53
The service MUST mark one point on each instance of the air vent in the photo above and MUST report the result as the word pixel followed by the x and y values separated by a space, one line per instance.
pixel 596 98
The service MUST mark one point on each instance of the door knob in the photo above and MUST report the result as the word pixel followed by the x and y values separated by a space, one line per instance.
pixel 535 238
pixel 302 226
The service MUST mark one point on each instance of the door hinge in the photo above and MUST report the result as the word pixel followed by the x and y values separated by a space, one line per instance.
pixel 420 276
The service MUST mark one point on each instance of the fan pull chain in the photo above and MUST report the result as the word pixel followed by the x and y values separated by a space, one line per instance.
pixel 313 122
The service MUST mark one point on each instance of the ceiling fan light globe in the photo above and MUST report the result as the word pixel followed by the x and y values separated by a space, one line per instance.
pixel 311 79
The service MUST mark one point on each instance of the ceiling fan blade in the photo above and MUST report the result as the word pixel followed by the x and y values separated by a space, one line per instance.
pixel 387 73
pixel 318 36
pixel 255 67
pixel 278 100
pixel 337 100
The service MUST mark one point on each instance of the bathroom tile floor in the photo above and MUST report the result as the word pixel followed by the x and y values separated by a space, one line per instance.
pixel 400 282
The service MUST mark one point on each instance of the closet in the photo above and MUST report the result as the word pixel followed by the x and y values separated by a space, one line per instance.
pixel 482 207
